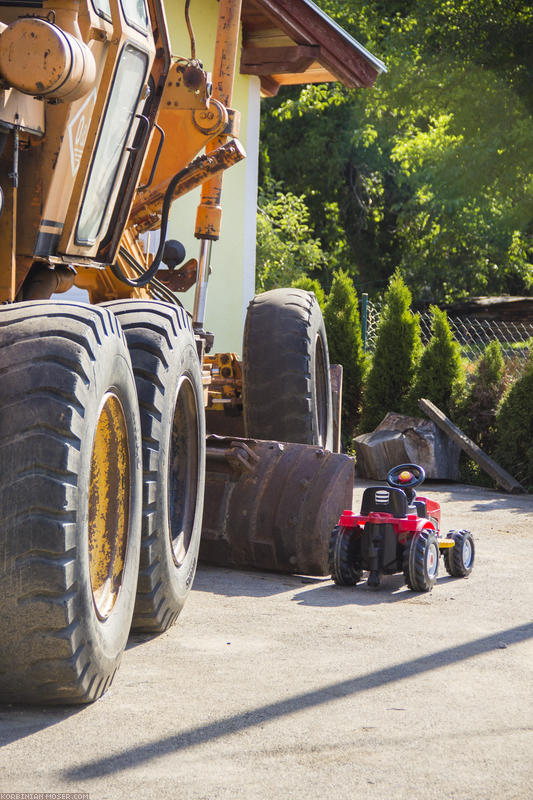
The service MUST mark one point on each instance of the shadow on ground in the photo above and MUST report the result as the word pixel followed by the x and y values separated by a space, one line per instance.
pixel 142 753
pixel 17 722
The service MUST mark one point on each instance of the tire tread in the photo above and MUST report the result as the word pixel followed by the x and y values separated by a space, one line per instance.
pixel 40 619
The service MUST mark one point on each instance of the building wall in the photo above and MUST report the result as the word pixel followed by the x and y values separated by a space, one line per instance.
pixel 231 285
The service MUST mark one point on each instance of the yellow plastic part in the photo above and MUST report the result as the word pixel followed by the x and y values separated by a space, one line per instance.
pixel 444 544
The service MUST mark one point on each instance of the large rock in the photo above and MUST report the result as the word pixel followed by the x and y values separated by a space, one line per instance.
pixel 399 440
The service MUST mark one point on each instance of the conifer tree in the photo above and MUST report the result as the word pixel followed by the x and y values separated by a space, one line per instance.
pixel 343 327
pixel 514 429
pixel 396 355
pixel 477 411
pixel 440 376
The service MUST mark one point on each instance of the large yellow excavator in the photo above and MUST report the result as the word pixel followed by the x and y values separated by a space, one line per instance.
pixel 102 404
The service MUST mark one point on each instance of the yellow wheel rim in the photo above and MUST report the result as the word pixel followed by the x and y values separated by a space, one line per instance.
pixel 109 504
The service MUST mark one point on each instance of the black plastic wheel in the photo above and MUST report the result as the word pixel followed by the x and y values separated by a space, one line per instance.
pixel 459 559
pixel 343 557
pixel 169 386
pixel 421 561
pixel 70 501
pixel 286 383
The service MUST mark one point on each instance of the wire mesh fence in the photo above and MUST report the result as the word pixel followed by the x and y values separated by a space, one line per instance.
pixel 472 335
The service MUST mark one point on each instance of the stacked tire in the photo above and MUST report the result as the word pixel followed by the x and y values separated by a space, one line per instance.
pixel 102 460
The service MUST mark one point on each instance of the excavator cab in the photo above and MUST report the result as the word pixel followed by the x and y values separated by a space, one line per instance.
pixel 78 108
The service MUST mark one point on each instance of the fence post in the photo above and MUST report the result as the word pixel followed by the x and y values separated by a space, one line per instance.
pixel 364 319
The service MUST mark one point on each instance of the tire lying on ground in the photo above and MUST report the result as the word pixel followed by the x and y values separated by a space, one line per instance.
pixel 70 501
pixel 286 383
pixel 169 386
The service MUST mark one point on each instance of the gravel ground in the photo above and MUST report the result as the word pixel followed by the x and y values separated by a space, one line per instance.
pixel 275 686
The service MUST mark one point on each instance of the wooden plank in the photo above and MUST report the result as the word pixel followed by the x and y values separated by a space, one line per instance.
pixel 314 74
pixel 269 87
pixel 335 374
pixel 269 60
pixel 486 463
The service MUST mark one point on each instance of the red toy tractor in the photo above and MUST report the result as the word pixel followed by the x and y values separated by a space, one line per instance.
pixel 396 531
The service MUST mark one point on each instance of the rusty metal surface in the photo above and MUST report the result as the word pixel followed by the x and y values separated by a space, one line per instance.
pixel 272 505
pixel 109 505
pixel 146 213
pixel 179 280
pixel 209 215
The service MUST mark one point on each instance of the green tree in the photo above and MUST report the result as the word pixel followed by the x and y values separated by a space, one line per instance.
pixel 440 376
pixel 286 249
pixel 430 170
pixel 514 430
pixel 396 356
pixel 343 327
pixel 476 414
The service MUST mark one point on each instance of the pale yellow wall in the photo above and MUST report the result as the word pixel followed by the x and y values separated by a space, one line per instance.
pixel 233 256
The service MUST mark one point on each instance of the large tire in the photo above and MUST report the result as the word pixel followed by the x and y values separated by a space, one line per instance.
pixel 421 561
pixel 169 386
pixel 286 383
pixel 459 559
pixel 343 558
pixel 70 501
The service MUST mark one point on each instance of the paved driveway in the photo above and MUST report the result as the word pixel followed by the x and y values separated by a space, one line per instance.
pixel 291 688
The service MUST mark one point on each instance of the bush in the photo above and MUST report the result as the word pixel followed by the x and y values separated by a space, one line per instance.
pixel 440 376
pixel 341 317
pixel 514 430
pixel 396 356
pixel 476 414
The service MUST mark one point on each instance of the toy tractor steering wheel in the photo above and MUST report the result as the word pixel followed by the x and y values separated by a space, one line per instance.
pixel 406 476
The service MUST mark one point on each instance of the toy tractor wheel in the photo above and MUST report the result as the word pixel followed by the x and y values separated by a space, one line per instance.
pixel 70 494
pixel 459 559
pixel 421 561
pixel 286 383
pixel 169 387
pixel 343 557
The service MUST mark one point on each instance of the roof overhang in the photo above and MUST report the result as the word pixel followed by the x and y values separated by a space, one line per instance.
pixel 287 42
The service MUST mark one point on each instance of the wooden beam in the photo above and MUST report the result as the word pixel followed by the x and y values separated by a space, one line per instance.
pixel 486 463
pixel 305 26
pixel 268 60
pixel 315 74
pixel 269 87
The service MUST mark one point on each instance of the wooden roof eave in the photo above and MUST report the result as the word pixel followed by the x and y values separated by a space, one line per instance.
pixel 311 47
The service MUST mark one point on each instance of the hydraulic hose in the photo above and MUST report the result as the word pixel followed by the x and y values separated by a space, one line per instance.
pixel 150 273
pixel 159 289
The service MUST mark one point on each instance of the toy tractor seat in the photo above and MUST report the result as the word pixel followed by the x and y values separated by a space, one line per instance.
pixel 385 500
pixel 421 508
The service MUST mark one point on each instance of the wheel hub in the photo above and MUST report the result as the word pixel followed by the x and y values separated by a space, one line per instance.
pixel 467 553
pixel 109 504
pixel 432 560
